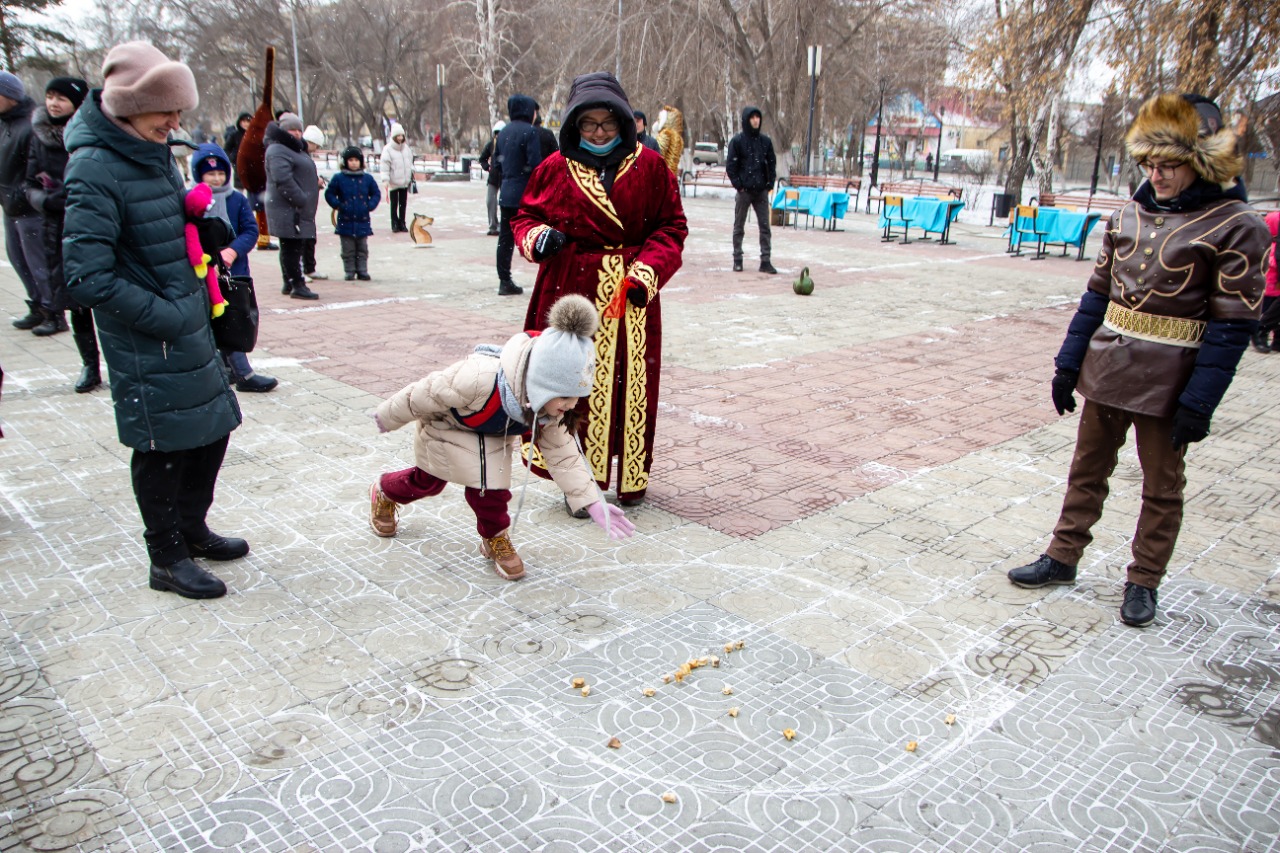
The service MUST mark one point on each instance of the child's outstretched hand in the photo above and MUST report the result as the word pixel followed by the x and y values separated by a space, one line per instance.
pixel 617 524
pixel 374 414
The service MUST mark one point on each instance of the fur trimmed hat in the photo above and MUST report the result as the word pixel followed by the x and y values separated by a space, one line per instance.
pixel 138 78
pixel 563 360
pixel 1168 127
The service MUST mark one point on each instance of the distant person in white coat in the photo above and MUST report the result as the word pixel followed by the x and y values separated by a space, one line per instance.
pixel 396 166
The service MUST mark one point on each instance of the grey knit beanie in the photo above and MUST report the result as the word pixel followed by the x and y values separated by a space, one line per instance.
pixel 563 360
pixel 290 121
pixel 11 87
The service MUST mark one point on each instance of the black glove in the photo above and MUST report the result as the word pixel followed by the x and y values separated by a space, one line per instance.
pixel 1189 426
pixel 637 293
pixel 549 242
pixel 1064 383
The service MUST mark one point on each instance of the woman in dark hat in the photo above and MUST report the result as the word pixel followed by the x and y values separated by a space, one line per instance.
pixel 603 218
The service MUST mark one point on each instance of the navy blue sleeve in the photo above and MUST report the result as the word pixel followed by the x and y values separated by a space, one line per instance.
pixel 245 225
pixel 1220 350
pixel 1088 317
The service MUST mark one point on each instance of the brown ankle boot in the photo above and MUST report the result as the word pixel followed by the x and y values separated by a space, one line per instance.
pixel 382 512
pixel 506 562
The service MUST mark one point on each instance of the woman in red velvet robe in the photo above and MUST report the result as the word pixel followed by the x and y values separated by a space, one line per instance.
pixel 603 219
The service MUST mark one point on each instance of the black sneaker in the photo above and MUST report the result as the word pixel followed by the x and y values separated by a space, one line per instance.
pixel 509 288
pixel 765 266
pixel 1139 608
pixel 1260 342
pixel 286 289
pixel 187 580
pixel 34 318
pixel 301 291
pixel 737 266
pixel 364 276
pixel 1043 572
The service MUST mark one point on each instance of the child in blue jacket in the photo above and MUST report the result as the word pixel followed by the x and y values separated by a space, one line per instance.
pixel 354 194
pixel 210 165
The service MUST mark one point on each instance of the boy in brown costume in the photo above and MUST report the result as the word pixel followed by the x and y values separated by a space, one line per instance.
pixel 1170 307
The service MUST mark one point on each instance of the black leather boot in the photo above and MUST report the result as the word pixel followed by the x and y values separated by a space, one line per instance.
pixel 90 378
pixel 52 323
pixel 87 344
pixel 219 548
pixel 34 318
pixel 301 291
pixel 187 580
pixel 509 288
pixel 1043 572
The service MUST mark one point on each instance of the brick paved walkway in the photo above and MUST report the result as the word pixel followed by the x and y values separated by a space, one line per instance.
pixel 841 482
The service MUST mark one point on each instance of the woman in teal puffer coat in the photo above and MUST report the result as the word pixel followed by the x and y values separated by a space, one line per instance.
pixel 125 257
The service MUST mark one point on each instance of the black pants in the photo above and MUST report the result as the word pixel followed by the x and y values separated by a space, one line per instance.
pixel 506 243
pixel 759 202
pixel 308 255
pixel 291 252
pixel 174 490
pixel 399 203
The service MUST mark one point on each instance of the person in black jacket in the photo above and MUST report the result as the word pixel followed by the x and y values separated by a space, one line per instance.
pixel 46 168
pixel 752 168
pixel 519 153
pixel 489 163
pixel 23 226
pixel 233 140
pixel 546 138
pixel 642 133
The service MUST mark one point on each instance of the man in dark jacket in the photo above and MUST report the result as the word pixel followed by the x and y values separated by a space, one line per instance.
pixel 23 226
pixel 546 137
pixel 519 153
pixel 752 169
pixel 488 162
pixel 234 137
pixel 1155 342
pixel 642 132
pixel 126 258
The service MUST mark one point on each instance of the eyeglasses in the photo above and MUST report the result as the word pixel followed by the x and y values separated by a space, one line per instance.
pixel 1164 170
pixel 609 125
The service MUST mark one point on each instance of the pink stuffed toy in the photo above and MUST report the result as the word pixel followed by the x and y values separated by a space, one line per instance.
pixel 197 203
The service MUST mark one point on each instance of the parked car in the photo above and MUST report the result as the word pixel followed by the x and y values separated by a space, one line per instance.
pixel 707 153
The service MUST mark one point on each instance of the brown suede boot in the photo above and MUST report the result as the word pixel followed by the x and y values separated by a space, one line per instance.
pixel 382 512
pixel 506 562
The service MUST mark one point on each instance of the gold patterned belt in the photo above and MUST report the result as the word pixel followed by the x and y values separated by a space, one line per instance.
pixel 1176 331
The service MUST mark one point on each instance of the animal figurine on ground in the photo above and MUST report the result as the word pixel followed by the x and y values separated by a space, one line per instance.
pixel 418 229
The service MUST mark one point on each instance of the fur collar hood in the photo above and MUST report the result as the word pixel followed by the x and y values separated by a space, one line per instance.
pixel 48 133
pixel 275 135
pixel 1168 128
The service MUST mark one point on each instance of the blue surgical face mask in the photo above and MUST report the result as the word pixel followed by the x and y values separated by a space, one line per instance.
pixel 601 150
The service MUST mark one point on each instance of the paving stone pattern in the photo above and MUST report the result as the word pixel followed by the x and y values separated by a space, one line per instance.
pixel 841 482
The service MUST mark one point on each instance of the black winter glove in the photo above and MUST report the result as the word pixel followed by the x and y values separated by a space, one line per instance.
pixel 549 243
pixel 637 293
pixel 1064 384
pixel 1189 426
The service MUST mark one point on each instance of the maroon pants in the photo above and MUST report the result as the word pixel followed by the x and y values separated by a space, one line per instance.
pixel 1101 435
pixel 489 505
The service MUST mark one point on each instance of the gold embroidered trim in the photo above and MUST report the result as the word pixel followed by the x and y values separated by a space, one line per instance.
pixel 600 402
pixel 530 237
pixel 533 454
pixel 1178 331
pixel 631 473
pixel 588 180
pixel 646 275
pixel 625 165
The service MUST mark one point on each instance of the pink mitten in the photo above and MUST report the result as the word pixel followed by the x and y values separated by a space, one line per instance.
pixel 612 519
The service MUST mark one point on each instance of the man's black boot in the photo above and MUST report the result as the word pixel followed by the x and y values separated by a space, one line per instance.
pixel 301 291
pixel 1139 608
pixel 1043 572
pixel 509 288
pixel 90 378
pixel 767 267
pixel 87 344
pixel 1260 342
pixel 737 265
pixel 187 580
pixel 219 548
pixel 51 323
pixel 34 318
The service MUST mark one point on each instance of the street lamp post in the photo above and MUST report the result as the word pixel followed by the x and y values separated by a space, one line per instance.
pixel 440 86
pixel 815 68
pixel 297 74
pixel 937 155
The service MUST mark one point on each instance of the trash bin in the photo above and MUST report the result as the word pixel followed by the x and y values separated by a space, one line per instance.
pixel 1001 204
pixel 466 165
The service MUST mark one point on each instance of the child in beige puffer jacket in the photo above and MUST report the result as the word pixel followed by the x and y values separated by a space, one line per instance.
pixel 469 418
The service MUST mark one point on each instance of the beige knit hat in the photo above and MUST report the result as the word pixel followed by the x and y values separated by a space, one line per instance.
pixel 138 78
